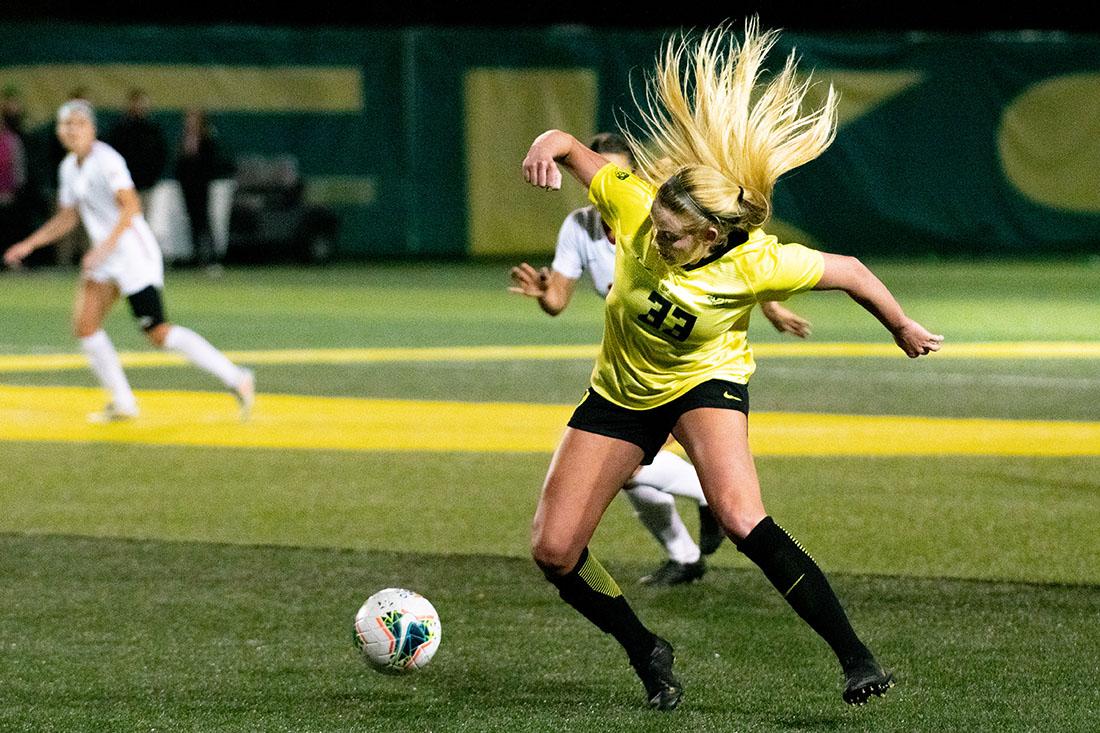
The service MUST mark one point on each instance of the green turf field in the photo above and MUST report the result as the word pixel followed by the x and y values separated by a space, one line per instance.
pixel 212 589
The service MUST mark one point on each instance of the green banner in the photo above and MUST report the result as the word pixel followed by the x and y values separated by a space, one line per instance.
pixel 986 145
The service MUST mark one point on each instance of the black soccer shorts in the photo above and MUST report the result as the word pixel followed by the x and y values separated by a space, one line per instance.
pixel 649 429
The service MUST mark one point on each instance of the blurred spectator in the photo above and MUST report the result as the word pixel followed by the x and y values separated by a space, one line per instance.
pixel 140 141
pixel 11 110
pixel 15 184
pixel 13 176
pixel 201 160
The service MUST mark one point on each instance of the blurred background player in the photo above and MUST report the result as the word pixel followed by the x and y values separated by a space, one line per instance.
pixel 585 242
pixel 44 155
pixel 95 187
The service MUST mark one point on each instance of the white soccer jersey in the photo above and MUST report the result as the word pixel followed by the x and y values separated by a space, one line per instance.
pixel 91 186
pixel 583 245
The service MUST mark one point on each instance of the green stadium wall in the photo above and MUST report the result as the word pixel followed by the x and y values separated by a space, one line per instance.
pixel 948 144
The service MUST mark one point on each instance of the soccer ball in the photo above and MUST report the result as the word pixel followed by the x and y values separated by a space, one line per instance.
pixel 397 631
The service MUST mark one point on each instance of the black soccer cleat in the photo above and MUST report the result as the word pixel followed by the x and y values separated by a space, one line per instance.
pixel 864 680
pixel 662 689
pixel 675 573
pixel 711 535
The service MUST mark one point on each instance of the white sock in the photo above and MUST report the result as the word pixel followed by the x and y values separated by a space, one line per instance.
pixel 657 511
pixel 108 370
pixel 200 353
pixel 673 475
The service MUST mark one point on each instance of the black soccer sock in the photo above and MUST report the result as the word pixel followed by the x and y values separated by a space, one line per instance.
pixel 798 578
pixel 590 589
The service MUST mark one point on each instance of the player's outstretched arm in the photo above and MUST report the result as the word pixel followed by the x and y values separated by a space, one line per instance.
pixel 853 277
pixel 552 289
pixel 540 167
pixel 57 226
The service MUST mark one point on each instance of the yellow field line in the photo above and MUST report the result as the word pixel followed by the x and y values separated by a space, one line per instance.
pixel 992 350
pixel 57 414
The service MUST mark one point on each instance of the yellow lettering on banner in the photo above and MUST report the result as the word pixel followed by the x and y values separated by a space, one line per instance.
pixel 505 110
pixel 215 88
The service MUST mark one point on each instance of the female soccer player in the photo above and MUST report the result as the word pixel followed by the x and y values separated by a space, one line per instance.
pixel 584 243
pixel 691 262
pixel 96 188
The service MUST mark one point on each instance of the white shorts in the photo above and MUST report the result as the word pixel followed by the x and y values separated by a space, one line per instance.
pixel 135 264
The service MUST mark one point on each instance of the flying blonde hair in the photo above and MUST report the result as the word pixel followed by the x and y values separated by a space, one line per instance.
pixel 718 140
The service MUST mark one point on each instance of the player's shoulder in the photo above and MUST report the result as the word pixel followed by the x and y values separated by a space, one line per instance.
pixel 763 257
pixel 615 180
pixel 105 154
pixel 759 246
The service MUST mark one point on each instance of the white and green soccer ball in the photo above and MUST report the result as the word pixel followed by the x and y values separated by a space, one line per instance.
pixel 397 631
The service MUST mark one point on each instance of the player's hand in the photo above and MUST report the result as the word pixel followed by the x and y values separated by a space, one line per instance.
pixel 15 254
pixel 528 281
pixel 93 258
pixel 785 320
pixel 915 340
pixel 540 170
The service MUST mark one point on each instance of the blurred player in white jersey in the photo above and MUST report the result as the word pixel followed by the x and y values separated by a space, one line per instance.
pixel 585 244
pixel 95 188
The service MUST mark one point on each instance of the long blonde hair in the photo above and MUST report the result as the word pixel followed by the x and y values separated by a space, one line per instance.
pixel 718 140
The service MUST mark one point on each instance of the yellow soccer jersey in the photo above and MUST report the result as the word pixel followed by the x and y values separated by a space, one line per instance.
pixel 668 329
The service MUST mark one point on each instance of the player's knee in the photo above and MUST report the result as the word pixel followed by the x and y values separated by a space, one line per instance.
pixel 148 309
pixel 82 328
pixel 553 558
pixel 157 334
pixel 738 524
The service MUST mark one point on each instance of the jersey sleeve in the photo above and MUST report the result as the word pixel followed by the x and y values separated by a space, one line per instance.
pixel 567 254
pixel 622 198
pixel 66 197
pixel 116 172
pixel 787 269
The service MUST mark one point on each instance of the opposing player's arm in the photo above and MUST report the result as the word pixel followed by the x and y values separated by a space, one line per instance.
pixel 784 319
pixel 559 291
pixel 540 167
pixel 552 289
pixel 57 226
pixel 852 276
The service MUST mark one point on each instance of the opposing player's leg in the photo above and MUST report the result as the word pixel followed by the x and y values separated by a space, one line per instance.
pixel 93 301
pixel 148 308
pixel 656 510
pixel 716 440
pixel 585 473
pixel 672 474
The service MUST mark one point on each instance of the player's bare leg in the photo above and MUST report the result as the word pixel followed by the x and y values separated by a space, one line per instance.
pixel 93 303
pixel 717 442
pixel 585 474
